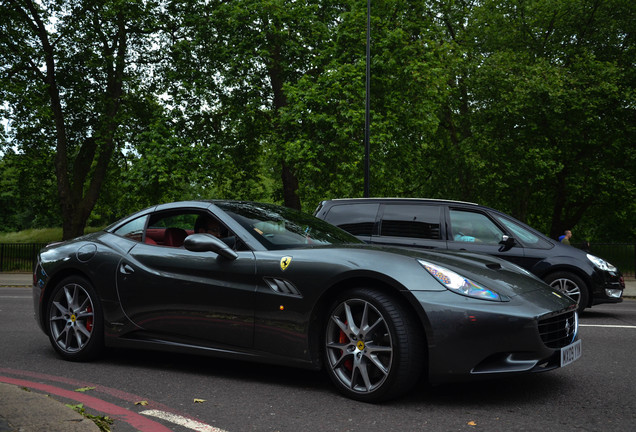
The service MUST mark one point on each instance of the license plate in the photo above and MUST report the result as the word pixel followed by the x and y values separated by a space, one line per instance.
pixel 570 353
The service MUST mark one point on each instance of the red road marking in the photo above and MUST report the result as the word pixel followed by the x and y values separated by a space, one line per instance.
pixel 138 421
pixel 119 394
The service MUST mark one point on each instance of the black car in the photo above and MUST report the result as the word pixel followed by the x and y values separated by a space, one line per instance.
pixel 452 225
pixel 258 282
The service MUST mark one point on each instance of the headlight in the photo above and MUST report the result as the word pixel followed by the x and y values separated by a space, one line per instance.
pixel 458 283
pixel 601 263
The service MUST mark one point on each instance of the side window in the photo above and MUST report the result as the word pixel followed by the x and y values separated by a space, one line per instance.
pixel 171 229
pixel 357 219
pixel 475 227
pixel 133 230
pixel 409 220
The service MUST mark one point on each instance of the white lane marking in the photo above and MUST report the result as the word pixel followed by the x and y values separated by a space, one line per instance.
pixel 14 297
pixel 181 421
pixel 607 326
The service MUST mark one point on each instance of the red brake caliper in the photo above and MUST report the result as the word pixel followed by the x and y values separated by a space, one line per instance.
pixel 89 322
pixel 348 363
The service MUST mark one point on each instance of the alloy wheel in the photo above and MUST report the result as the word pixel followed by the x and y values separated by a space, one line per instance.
pixel 359 346
pixel 71 318
pixel 568 287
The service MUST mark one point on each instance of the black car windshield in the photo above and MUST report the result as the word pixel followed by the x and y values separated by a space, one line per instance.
pixel 278 227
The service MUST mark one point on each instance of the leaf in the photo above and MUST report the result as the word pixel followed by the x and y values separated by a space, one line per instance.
pixel 84 389
pixel 199 400
pixel 472 423
pixel 142 403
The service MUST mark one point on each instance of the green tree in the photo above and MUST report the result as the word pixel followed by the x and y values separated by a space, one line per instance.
pixel 324 119
pixel 232 64
pixel 65 73
pixel 552 86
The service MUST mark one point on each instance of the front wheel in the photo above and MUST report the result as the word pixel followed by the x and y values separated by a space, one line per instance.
pixel 373 346
pixel 571 285
pixel 75 320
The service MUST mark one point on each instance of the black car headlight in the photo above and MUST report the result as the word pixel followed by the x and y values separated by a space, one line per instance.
pixel 601 263
pixel 458 283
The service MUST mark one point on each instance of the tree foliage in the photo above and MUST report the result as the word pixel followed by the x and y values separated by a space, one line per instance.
pixel 526 106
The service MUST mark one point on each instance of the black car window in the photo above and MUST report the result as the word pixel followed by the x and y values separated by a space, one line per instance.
pixel 467 226
pixel 357 219
pixel 133 230
pixel 411 220
pixel 524 235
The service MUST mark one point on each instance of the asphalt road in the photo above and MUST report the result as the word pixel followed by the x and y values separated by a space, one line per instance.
pixel 596 393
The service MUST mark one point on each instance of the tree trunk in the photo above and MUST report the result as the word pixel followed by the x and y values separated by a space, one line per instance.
pixel 277 80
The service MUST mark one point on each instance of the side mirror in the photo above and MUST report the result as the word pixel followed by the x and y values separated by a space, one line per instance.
pixel 506 243
pixel 209 243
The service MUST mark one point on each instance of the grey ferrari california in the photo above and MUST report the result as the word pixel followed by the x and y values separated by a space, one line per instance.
pixel 259 282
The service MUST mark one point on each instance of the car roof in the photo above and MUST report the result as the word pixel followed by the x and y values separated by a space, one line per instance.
pixel 398 199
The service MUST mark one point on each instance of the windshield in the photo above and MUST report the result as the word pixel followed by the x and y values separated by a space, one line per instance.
pixel 526 237
pixel 278 227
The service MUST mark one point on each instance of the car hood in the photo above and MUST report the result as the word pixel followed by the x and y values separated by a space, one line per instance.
pixel 494 273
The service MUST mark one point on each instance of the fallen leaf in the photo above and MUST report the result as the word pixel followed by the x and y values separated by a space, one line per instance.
pixel 472 423
pixel 142 403
pixel 83 389
pixel 199 400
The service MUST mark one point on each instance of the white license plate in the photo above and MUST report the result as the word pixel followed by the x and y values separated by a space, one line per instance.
pixel 570 353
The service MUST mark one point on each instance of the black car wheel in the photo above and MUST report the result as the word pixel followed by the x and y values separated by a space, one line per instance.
pixel 571 285
pixel 373 347
pixel 75 320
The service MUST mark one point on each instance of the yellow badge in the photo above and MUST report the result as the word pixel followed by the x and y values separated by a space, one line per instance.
pixel 284 262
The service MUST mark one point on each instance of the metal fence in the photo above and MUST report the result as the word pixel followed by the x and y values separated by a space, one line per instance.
pixel 20 257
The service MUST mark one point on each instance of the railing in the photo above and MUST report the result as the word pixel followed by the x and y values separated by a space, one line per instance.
pixel 20 257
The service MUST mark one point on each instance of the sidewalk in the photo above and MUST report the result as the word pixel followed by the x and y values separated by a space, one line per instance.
pixel 25 411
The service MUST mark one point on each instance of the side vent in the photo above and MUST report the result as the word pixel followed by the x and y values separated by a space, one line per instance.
pixel 282 286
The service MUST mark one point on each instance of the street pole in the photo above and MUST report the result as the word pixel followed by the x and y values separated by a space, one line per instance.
pixel 367 120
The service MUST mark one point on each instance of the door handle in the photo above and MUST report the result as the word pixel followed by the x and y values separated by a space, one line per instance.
pixel 126 269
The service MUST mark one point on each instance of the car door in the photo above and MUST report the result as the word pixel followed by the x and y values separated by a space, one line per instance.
pixel 476 231
pixel 196 297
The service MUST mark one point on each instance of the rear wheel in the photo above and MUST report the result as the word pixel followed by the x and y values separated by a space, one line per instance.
pixel 373 346
pixel 75 320
pixel 571 285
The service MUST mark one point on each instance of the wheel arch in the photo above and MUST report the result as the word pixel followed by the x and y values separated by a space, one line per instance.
pixel 50 286
pixel 318 315
pixel 577 271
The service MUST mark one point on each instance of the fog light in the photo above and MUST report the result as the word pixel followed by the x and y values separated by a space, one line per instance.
pixel 614 293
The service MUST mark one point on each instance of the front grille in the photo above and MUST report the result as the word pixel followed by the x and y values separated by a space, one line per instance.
pixel 560 330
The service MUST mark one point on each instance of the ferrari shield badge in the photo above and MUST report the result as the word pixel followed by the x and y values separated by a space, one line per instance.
pixel 284 262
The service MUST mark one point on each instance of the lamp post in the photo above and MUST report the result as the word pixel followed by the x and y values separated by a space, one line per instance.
pixel 367 119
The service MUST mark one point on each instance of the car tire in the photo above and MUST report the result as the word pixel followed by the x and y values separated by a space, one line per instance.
pixel 374 348
pixel 74 320
pixel 570 284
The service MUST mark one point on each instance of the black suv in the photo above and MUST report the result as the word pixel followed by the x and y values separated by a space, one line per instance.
pixel 440 224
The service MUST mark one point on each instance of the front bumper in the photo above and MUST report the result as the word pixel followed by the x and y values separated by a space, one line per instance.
pixel 607 287
pixel 475 338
